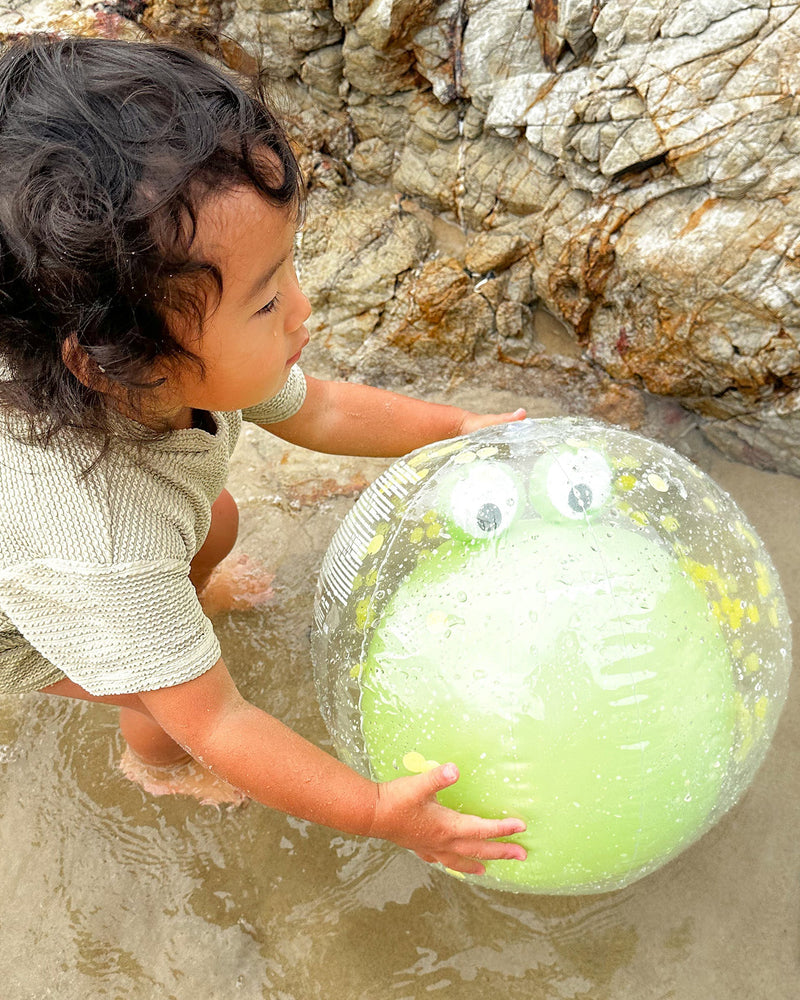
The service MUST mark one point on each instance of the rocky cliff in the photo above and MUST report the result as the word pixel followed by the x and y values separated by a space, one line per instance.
pixel 594 199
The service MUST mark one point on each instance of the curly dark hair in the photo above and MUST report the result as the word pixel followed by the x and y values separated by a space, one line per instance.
pixel 107 151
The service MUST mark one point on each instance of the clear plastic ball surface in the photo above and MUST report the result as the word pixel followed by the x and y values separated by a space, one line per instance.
pixel 576 616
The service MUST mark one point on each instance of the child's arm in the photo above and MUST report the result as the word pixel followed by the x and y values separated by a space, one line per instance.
pixel 345 418
pixel 255 752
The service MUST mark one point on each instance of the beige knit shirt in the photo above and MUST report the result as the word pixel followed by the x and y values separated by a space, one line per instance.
pixel 94 570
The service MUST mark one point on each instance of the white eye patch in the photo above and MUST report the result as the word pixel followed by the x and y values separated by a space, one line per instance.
pixel 483 499
pixel 578 484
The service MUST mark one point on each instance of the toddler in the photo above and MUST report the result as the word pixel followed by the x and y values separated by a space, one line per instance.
pixel 148 304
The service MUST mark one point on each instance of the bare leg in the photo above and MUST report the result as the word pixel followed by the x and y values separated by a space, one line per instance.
pixel 238 583
pixel 148 740
pixel 219 541
pixel 141 731
pixel 153 759
pixel 187 777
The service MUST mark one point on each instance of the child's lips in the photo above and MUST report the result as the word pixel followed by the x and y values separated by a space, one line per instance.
pixel 296 357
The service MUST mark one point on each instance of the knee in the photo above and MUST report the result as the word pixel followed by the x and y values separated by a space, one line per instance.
pixel 221 536
pixel 224 518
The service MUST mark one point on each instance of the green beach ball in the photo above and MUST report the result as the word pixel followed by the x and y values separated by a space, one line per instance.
pixel 580 619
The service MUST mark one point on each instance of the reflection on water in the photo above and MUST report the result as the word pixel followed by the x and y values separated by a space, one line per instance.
pixel 113 894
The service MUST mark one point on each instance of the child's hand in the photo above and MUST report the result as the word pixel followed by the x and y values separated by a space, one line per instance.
pixel 408 814
pixel 474 421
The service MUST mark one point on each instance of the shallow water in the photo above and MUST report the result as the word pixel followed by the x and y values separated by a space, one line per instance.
pixel 110 893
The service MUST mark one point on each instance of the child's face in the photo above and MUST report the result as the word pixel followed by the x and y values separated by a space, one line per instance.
pixel 254 333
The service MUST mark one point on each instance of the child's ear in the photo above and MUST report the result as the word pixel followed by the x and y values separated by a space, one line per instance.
pixel 84 368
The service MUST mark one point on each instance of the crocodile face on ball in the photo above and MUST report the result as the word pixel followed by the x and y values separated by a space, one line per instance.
pixel 576 616
pixel 555 639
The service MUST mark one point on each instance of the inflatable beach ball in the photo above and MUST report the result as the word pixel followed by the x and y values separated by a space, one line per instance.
pixel 576 616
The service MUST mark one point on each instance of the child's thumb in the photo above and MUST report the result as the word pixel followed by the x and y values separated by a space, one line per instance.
pixel 441 777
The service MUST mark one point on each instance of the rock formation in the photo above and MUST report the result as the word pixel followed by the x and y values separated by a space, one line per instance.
pixel 628 166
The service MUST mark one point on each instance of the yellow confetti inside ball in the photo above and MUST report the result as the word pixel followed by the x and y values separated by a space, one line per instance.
pixel 580 619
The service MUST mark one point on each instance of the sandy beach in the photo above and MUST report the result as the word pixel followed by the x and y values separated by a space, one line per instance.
pixel 113 894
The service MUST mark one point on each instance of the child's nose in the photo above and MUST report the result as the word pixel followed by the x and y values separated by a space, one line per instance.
pixel 301 309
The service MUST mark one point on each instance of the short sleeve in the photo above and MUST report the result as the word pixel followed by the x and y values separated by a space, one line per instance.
pixel 284 405
pixel 113 629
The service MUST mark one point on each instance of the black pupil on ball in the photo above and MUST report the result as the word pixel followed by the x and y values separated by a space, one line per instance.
pixel 489 517
pixel 580 498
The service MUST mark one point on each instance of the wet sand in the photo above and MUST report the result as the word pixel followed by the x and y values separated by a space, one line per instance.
pixel 110 893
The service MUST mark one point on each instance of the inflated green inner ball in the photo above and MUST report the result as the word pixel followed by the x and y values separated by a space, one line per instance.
pixel 592 694
pixel 576 616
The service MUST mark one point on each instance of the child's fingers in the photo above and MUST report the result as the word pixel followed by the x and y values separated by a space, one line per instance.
pixel 475 421
pixel 471 830
pixel 443 835
pixel 506 418
pixel 426 856
pixel 466 865
pixel 458 863
pixel 508 827
pixel 437 779
pixel 469 856
pixel 490 850
pixel 475 828
pixel 475 851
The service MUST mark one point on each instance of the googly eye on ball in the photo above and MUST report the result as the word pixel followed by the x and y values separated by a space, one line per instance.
pixel 580 619
pixel 480 499
pixel 571 482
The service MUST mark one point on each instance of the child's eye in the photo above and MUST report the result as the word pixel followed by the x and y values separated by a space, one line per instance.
pixel 270 306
